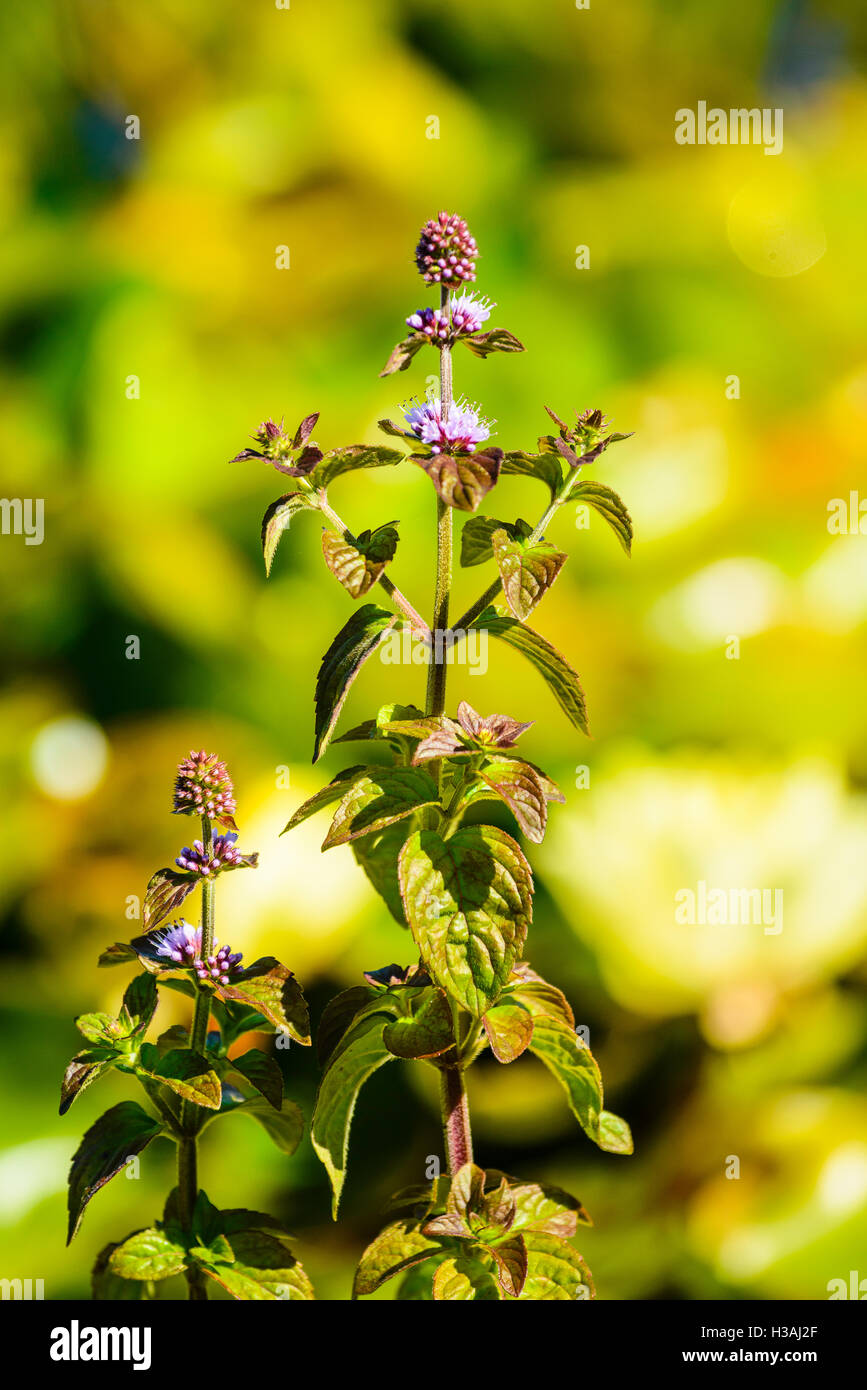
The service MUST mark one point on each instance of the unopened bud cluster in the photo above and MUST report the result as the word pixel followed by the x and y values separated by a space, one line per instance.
pixel 203 787
pixel 446 251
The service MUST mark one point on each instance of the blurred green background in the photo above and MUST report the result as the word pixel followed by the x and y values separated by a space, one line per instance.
pixel 308 128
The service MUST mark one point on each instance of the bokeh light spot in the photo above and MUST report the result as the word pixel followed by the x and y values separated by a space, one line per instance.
pixel 69 757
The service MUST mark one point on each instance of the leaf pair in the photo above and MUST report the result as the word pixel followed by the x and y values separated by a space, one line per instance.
pixel 527 568
pixel 282 512
pixel 113 1041
pixel 358 562
pixel 246 1252
pixel 509 1242
pixel 479 344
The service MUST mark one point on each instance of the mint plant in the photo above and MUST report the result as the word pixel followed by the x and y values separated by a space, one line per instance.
pixel 462 888
pixel 191 1076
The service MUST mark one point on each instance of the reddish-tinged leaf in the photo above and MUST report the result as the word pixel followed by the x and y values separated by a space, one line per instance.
pixel 510 1257
pixel 520 787
pixel 402 353
pixel 274 992
pixel 379 798
pixel 509 1028
pixel 462 480
pixel 358 564
pixel 164 894
pixel 527 572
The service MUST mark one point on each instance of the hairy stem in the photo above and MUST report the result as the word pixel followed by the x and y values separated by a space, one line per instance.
pixel 453 1096
pixel 456 1118
pixel 188 1157
pixel 437 669
pixel 399 600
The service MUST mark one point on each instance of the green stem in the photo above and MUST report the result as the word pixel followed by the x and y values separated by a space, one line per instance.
pixel 535 536
pixel 188 1157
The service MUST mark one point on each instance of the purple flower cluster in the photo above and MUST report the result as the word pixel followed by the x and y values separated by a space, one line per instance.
pixel 223 855
pixel 446 251
pixel 204 788
pixel 219 967
pixel 465 314
pixel 181 944
pixel 459 433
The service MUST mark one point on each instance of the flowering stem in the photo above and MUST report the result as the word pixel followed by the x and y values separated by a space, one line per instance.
pixel 437 670
pixel 398 599
pixel 188 1163
pixel 535 536
pixel 453 1096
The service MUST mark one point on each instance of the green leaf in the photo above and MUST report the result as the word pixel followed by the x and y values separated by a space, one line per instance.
pixel 264 1270
pixel 546 466
pixel 269 987
pixel 615 1136
pixel 139 1005
pixel 461 480
pixel 284 1127
pixel 575 1067
pixel 468 901
pixel 461 1278
pixel 150 1254
pixel 326 796
pixel 99 1028
pixel 164 894
pixel 337 1016
pixel 84 1068
pixel 360 1053
pixel 377 855
pixel 609 506
pixel 558 675
pixel 277 519
pixel 509 1028
pixel 120 953
pixel 476 537
pixel 495 340
pixel 426 1030
pixel 416 1286
pixel 400 1246
pixel 354 644
pixel 545 1208
pixel 402 354
pixel 553 1260
pixel 527 572
pixel 348 460
pixel 358 564
pixel 520 787
pixel 190 1076
pixel 262 1072
pixel 111 1288
pixel 123 1131
pixel 378 799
